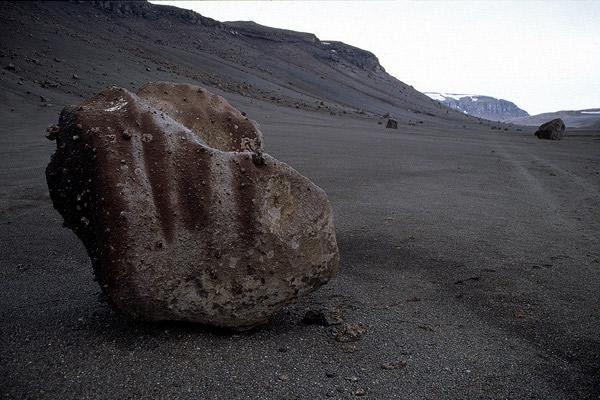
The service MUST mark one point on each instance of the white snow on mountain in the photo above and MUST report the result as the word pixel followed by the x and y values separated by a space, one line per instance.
pixel 435 96
pixel 456 96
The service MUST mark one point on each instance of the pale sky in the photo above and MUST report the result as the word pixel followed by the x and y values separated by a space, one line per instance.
pixel 542 55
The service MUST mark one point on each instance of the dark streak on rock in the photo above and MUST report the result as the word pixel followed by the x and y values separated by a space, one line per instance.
pixel 157 169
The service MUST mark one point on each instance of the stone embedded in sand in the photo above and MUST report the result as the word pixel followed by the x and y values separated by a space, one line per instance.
pixel 552 130
pixel 392 124
pixel 183 216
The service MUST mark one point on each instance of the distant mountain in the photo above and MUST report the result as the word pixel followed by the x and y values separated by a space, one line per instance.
pixel 480 106
pixel 589 118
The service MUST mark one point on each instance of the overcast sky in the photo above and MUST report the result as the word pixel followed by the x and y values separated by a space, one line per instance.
pixel 544 56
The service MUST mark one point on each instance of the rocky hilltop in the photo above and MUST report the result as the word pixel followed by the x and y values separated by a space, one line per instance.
pixel 486 107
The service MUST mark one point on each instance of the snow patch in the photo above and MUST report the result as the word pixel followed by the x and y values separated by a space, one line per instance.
pixel 435 96
pixel 455 96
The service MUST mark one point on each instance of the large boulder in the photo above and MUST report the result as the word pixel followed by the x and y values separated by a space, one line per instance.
pixel 182 214
pixel 552 130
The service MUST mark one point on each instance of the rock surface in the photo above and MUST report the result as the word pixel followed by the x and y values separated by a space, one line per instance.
pixel 183 216
pixel 212 118
pixel 552 130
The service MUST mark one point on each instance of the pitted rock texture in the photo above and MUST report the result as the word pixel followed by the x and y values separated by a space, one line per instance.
pixel 180 230
pixel 210 116
pixel 552 130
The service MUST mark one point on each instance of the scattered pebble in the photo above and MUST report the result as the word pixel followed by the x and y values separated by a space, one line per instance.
pixel 323 317
pixel 350 333
pixel 393 365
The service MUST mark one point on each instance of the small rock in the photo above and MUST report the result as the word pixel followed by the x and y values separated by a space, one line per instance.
pixel 322 317
pixel 283 378
pixel 426 328
pixel 352 378
pixel 148 69
pixel 360 392
pixel 392 124
pixel 350 333
pixel 52 132
pixel 75 76
pixel 393 365
pixel 11 67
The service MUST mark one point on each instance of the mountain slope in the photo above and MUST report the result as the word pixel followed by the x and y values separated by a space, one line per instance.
pixel 63 44
pixel 486 107
pixel 589 118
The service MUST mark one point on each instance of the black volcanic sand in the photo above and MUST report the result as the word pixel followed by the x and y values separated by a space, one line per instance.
pixel 470 254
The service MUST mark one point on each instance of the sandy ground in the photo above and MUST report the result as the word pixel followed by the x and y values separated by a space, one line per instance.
pixel 471 255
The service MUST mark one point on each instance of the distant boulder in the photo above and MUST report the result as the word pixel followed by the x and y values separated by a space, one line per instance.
pixel 392 124
pixel 552 130
pixel 183 215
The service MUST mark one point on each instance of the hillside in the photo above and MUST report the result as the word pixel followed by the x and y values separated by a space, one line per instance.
pixel 63 45
pixel 485 107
